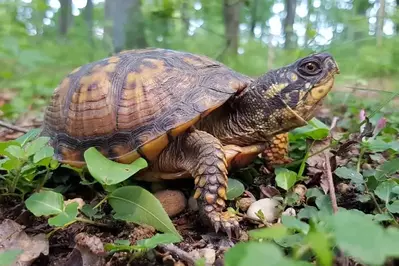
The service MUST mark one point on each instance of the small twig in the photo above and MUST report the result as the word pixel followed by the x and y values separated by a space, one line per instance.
pixel 183 255
pixel 334 122
pixel 330 182
pixel 12 127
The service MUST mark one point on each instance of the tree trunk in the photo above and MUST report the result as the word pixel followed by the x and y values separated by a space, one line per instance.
pixel 65 16
pixel 380 23
pixel 254 17
pixel 185 18
pixel 231 14
pixel 127 24
pixel 88 14
pixel 290 8
pixel 135 33
pixel 397 24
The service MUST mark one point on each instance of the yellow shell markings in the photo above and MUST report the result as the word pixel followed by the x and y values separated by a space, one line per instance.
pixel 139 100
pixel 114 59
pixel 91 109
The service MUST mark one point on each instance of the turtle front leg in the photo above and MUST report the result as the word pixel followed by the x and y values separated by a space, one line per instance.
pixel 276 152
pixel 202 155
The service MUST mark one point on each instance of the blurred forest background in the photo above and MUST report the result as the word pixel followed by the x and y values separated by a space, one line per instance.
pixel 42 40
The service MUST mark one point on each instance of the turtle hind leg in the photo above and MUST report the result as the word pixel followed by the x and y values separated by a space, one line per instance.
pixel 202 155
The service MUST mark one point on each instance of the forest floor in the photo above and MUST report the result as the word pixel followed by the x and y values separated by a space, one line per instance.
pixel 199 240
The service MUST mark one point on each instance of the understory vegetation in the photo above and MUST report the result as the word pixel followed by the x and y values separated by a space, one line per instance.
pixel 336 203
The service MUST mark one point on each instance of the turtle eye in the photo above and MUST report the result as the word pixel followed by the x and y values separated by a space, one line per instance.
pixel 310 68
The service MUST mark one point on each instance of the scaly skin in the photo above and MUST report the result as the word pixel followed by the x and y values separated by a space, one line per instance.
pixel 276 152
pixel 202 155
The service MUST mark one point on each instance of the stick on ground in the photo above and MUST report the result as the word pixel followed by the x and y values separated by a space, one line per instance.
pixel 12 127
pixel 184 256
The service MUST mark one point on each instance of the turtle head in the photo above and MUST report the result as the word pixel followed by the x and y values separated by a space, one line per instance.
pixel 289 95
pixel 306 82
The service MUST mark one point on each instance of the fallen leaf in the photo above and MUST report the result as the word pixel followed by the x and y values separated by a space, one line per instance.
pixel 316 163
pixel 89 251
pixel 13 237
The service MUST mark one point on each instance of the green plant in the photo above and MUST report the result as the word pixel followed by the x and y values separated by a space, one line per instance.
pixel 28 164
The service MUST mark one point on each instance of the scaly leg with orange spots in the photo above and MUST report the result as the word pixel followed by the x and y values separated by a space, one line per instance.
pixel 276 152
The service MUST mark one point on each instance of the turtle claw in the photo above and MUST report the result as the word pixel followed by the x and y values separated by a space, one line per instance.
pixel 225 221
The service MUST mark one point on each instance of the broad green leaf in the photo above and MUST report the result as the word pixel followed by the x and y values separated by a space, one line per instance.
pixel 30 135
pixel 316 130
pixel 158 239
pixel 90 212
pixel 135 204
pixel 293 223
pixel 382 217
pixel 378 145
pixel 393 207
pixel 272 232
pixel 348 173
pixel 45 203
pixel 6 144
pixel 234 188
pixel 10 163
pixel 320 244
pixel 251 253
pixel 308 212
pixel 290 241
pixel 46 152
pixel 36 145
pixel 387 169
pixel 65 217
pixel 324 204
pixel 108 172
pixel 15 151
pixel 384 190
pixel 361 238
pixel 285 178
pixel 313 193
pixel 363 197
pixel 9 257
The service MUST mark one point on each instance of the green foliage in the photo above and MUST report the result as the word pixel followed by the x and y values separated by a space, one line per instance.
pixel 108 172
pixel 50 203
pixel 358 241
pixel 285 178
pixel 135 204
pixel 142 245
pixel 9 257
pixel 234 188
pixel 28 163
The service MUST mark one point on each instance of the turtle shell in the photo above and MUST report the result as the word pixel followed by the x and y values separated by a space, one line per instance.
pixel 132 104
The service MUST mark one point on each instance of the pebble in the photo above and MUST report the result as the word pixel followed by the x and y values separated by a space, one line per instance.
pixel 173 201
pixel 244 203
pixel 270 208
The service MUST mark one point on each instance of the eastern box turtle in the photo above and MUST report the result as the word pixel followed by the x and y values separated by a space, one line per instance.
pixel 186 114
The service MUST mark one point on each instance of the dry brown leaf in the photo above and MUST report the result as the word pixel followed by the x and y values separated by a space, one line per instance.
pixel 89 251
pixel 12 236
pixel 316 163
